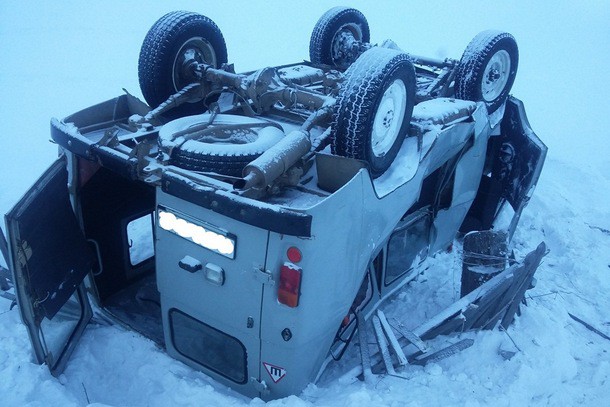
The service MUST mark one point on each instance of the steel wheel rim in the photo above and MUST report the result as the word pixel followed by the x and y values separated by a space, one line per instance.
pixel 194 50
pixel 495 76
pixel 388 118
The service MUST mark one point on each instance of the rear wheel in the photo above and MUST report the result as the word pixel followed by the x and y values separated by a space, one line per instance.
pixel 488 69
pixel 374 108
pixel 176 42
pixel 334 36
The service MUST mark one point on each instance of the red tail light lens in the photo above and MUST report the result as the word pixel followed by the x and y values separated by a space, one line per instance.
pixel 290 285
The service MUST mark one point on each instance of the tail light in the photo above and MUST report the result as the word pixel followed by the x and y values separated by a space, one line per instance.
pixel 290 285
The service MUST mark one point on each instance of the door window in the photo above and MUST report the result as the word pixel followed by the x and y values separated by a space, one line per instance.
pixel 56 332
pixel 208 346
pixel 140 238
pixel 407 247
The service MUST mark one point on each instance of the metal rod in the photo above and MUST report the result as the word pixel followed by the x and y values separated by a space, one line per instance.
pixel 222 77
pixel 441 63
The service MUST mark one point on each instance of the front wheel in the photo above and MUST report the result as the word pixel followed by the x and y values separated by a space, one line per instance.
pixel 374 108
pixel 488 69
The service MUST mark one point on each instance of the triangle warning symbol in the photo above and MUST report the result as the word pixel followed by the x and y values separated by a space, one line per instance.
pixel 277 373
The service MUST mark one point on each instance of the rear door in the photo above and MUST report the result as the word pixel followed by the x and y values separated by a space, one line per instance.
pixel 49 258
pixel 211 324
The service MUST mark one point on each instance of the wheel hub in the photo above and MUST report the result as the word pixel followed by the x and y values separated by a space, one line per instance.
pixel 389 117
pixel 494 75
pixel 194 51
pixel 191 60
pixel 345 45
pixel 387 120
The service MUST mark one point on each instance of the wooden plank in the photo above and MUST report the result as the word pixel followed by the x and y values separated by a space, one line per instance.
pixel 409 336
pixel 365 355
pixel 444 353
pixel 387 329
pixel 383 346
pixel 531 263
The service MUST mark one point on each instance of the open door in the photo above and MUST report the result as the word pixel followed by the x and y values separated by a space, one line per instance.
pixel 517 159
pixel 522 156
pixel 49 258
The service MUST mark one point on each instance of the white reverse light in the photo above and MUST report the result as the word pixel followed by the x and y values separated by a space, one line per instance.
pixel 167 220
pixel 201 235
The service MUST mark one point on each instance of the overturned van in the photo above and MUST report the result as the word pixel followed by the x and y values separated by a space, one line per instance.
pixel 245 222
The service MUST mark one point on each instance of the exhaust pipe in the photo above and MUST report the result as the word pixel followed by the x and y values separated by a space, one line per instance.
pixel 275 161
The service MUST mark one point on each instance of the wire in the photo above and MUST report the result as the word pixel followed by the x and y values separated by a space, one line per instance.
pixel 491 260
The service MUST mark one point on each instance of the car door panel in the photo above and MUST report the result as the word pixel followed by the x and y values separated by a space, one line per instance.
pixel 49 258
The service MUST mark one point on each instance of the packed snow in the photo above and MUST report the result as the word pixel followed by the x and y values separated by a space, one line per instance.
pixel 59 57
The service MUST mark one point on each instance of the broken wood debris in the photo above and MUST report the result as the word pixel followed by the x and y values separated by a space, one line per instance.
pixel 387 329
pixel 589 326
pixel 494 302
pixel 365 355
pixel 443 353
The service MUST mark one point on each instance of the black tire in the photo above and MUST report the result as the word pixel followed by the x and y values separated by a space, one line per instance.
pixel 165 48
pixel 483 74
pixel 328 26
pixel 367 83
pixel 206 154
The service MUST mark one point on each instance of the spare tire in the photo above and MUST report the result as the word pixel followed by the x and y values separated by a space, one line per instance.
pixel 175 40
pixel 224 145
pixel 374 108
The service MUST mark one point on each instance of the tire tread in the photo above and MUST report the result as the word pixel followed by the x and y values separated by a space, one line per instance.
pixel 364 80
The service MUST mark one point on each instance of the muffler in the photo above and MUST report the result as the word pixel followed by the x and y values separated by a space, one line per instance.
pixel 275 161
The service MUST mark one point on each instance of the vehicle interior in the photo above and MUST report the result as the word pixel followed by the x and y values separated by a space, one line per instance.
pixel 118 222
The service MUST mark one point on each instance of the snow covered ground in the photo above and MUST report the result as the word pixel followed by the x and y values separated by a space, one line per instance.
pixel 58 57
